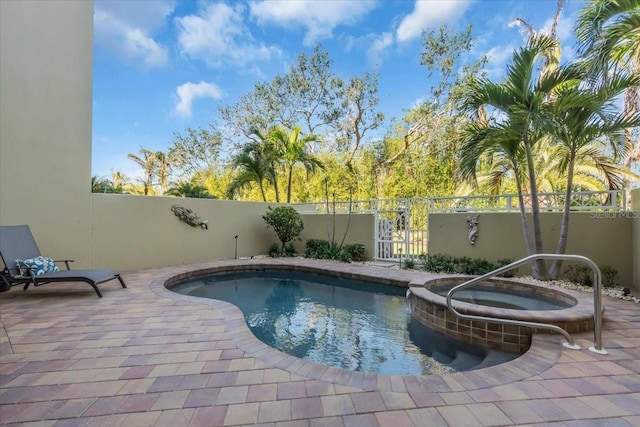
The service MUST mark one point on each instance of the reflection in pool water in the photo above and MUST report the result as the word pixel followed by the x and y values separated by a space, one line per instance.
pixel 346 324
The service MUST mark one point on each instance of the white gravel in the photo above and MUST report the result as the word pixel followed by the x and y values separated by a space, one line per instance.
pixel 613 291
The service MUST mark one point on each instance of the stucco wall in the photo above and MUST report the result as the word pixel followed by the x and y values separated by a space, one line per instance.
pixel 46 57
pixel 605 238
pixel 134 232
pixel 635 208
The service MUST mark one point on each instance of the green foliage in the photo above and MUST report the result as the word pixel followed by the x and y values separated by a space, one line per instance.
pixel 156 167
pixel 286 222
pixel 274 250
pixel 409 264
pixel 189 189
pixel 290 250
pixel 440 263
pixel 609 276
pixel 195 152
pixel 254 164
pixel 316 248
pixel 580 274
pixel 104 185
pixel 502 262
pixel 583 275
pixel 356 251
pixel 322 249
pixel 291 149
pixel 442 50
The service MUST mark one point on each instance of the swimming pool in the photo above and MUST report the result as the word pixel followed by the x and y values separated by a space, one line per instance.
pixel 347 324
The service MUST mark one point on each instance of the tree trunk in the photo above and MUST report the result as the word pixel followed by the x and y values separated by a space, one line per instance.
pixel 275 187
pixel 523 213
pixel 539 268
pixel 554 271
pixel 289 184
pixel 264 197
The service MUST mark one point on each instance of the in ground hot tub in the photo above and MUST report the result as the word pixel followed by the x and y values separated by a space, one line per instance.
pixel 500 298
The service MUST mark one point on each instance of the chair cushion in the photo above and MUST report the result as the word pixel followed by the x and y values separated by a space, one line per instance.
pixel 38 266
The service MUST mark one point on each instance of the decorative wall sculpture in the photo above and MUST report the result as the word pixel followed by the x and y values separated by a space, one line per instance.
pixel 187 215
pixel 472 223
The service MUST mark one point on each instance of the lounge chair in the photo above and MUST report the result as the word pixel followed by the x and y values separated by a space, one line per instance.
pixel 17 243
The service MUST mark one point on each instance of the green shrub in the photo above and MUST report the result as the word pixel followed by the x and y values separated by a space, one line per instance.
pixel 286 222
pixel 356 251
pixel 316 248
pixel 580 274
pixel 409 264
pixel 502 263
pixel 343 256
pixel 609 276
pixel 440 263
pixel 290 250
pixel 274 250
pixel 322 249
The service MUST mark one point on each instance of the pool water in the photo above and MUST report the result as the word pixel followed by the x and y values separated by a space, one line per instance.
pixel 346 324
pixel 503 298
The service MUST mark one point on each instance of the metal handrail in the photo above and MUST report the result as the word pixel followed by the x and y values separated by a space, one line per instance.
pixel 597 299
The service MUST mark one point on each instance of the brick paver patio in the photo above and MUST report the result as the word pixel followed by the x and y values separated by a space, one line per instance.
pixel 147 356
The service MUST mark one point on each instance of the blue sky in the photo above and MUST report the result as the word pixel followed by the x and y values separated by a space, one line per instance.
pixel 161 66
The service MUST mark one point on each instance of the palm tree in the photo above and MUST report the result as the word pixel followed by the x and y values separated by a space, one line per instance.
pixel 498 147
pixel 254 166
pixel 119 179
pixel 595 170
pixel 520 120
pixel 594 167
pixel 188 189
pixel 293 149
pixel 104 185
pixel 609 39
pixel 100 184
pixel 147 162
pixel 162 166
pixel 269 152
pixel 584 115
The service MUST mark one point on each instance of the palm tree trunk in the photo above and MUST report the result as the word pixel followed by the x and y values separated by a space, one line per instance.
pixel 554 271
pixel 539 269
pixel 276 188
pixel 264 197
pixel 523 213
pixel 289 184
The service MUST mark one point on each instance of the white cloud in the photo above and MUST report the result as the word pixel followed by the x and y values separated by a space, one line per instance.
pixel 497 58
pixel 189 92
pixel 318 18
pixel 218 36
pixel 125 27
pixel 429 14
pixel 379 47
